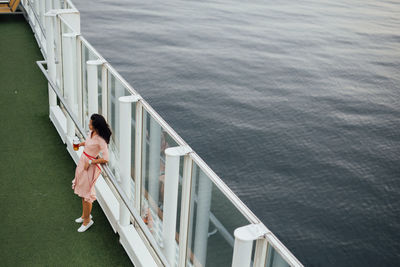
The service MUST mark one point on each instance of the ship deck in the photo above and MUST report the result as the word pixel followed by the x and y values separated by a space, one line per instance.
pixel 38 206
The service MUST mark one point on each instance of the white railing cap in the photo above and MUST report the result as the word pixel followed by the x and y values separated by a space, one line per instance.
pixel 178 151
pixel 251 232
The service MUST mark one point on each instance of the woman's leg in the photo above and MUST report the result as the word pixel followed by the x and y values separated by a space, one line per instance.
pixel 83 207
pixel 86 212
pixel 90 209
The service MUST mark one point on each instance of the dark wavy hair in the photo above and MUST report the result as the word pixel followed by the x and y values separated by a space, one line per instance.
pixel 101 126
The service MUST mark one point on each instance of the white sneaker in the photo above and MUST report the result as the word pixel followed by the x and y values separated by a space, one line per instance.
pixel 83 228
pixel 80 220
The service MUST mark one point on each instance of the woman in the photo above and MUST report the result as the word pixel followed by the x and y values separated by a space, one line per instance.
pixel 88 169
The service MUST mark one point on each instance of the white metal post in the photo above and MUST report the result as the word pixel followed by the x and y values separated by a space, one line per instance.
pixel 244 237
pixel 69 54
pixel 125 138
pixel 261 253
pixel 51 65
pixel 204 193
pixel 172 160
pixel 93 85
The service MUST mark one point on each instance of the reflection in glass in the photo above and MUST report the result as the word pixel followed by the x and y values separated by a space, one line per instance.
pixel 154 142
pixel 212 221
pixel 115 90
pixel 86 56
pixel 100 89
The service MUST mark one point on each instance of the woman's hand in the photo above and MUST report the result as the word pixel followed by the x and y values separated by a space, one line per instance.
pixel 82 144
pixel 99 160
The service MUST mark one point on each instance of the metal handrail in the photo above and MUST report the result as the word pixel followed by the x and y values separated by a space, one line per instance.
pixel 106 169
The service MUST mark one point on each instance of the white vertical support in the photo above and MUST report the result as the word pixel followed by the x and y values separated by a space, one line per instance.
pixel 172 160
pixel 104 94
pixel 244 237
pixel 69 44
pixel 242 253
pixel 204 193
pixel 154 163
pixel 138 155
pixel 185 209
pixel 260 254
pixel 93 85
pixel 51 66
pixel 125 138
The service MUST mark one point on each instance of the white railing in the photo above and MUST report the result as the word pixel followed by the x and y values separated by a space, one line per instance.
pixel 185 214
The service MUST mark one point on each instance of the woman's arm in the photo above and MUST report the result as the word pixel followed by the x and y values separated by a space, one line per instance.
pixel 99 161
pixel 82 144
pixel 96 161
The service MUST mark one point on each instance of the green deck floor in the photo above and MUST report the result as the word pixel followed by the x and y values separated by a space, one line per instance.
pixel 38 206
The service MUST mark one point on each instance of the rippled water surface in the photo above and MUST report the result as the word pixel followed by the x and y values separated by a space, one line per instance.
pixel 295 104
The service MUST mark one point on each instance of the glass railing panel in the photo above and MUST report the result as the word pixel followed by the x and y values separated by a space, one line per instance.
pixel 154 142
pixel 58 53
pixel 65 27
pixel 86 55
pixel 274 259
pixel 178 140
pixel 68 4
pixel 133 140
pixel 65 44
pixel 115 90
pixel 58 4
pixel 100 88
pixel 212 221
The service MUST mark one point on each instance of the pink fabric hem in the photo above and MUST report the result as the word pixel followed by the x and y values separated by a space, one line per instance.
pixel 86 199
pixel 91 199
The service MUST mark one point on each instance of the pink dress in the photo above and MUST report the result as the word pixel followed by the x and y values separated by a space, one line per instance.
pixel 83 183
